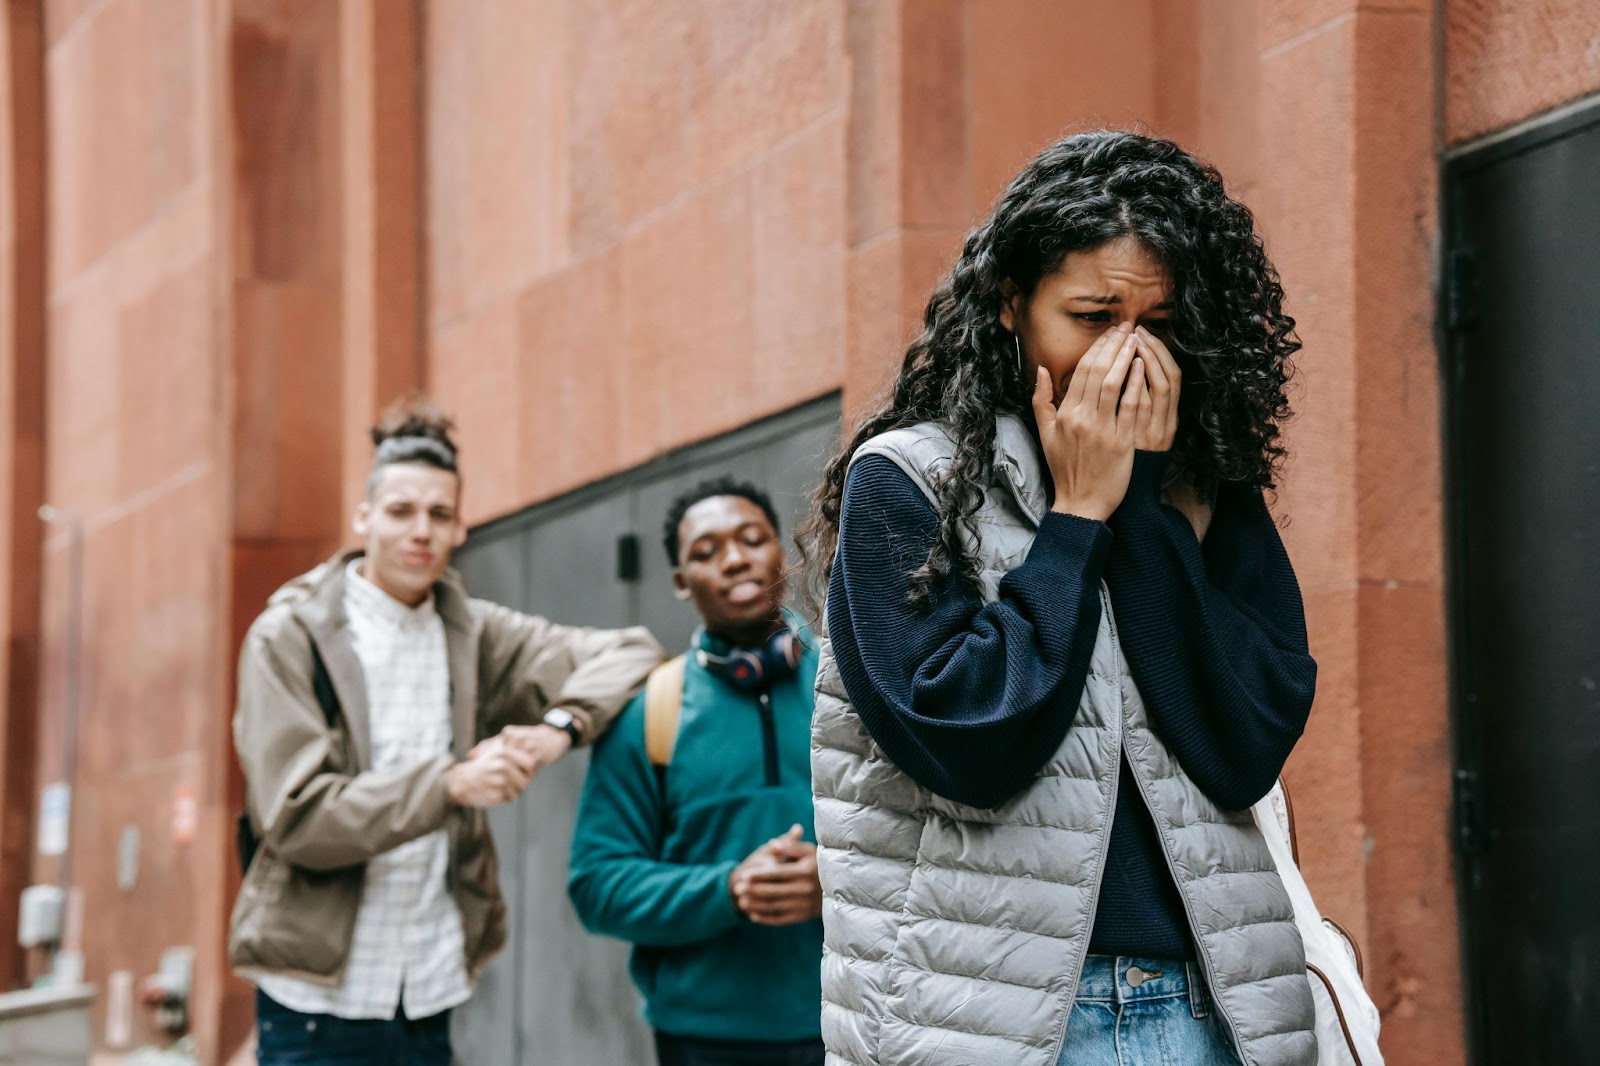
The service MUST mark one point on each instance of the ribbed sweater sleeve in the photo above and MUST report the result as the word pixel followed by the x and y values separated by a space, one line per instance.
pixel 969 699
pixel 1215 634
pixel 618 881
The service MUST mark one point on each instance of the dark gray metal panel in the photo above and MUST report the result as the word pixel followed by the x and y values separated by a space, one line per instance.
pixel 484 1031
pixel 492 566
pixel 556 996
pixel 793 470
pixel 578 1005
pixel 572 563
pixel 1525 377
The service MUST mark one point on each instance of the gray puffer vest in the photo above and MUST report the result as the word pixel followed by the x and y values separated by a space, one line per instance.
pixel 954 935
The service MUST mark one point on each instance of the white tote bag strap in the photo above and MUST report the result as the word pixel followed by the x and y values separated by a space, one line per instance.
pixel 1347 1019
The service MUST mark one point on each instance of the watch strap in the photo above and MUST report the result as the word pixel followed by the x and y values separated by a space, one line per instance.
pixel 565 721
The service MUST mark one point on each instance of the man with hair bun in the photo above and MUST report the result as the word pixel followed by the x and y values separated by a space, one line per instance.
pixel 380 712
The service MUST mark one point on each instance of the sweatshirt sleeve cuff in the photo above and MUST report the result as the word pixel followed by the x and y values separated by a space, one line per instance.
pixel 1068 548
pixel 1144 486
pixel 725 913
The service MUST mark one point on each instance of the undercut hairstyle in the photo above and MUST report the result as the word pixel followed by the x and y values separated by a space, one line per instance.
pixel 413 431
pixel 1230 335
pixel 722 486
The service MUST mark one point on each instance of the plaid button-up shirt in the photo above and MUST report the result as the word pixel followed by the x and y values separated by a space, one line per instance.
pixel 408 948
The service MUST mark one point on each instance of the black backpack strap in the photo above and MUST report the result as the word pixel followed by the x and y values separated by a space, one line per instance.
pixel 245 839
pixel 322 688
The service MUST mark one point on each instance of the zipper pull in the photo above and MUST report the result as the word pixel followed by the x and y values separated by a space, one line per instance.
pixel 769 738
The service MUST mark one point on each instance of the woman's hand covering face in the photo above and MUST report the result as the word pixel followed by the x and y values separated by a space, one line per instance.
pixel 1164 380
pixel 1089 439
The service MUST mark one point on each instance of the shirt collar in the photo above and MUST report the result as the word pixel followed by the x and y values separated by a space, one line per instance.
pixel 709 641
pixel 368 600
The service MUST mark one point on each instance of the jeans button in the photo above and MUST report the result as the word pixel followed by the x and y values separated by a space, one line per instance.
pixel 1137 977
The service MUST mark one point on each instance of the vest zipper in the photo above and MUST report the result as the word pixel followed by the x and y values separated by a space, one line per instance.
pixel 1105 842
pixel 1022 503
pixel 1200 951
pixel 769 738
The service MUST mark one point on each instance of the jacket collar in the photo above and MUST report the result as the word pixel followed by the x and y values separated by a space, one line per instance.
pixel 362 597
pixel 318 602
pixel 1019 465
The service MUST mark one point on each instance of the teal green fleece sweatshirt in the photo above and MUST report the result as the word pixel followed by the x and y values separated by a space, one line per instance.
pixel 652 852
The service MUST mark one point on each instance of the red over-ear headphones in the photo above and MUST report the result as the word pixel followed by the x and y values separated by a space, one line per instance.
pixel 751 669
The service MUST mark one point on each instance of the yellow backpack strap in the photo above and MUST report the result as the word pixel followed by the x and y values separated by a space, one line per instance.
pixel 663 700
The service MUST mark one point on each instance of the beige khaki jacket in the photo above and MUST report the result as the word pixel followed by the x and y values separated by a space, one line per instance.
pixel 319 809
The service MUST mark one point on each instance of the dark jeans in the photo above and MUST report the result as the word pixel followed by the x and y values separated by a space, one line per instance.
pixel 286 1037
pixel 689 1051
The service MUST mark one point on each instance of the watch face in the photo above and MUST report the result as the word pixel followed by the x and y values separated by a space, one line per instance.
pixel 560 718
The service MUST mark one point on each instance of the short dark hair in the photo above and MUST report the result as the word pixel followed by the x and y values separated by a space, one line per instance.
pixel 413 431
pixel 722 486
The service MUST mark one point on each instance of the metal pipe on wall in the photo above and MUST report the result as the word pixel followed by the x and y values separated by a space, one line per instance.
pixel 72 655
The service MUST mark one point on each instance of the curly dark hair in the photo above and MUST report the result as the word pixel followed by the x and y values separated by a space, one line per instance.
pixel 1229 333
pixel 722 486
pixel 413 431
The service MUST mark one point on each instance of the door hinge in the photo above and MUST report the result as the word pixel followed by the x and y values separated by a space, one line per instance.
pixel 628 567
pixel 1468 813
pixel 1461 289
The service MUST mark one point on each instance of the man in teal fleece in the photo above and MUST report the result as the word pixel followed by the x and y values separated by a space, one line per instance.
pixel 703 858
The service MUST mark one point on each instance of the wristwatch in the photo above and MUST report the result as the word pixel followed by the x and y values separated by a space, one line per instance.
pixel 564 720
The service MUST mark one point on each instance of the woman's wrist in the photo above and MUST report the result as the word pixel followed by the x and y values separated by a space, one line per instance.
pixel 1087 510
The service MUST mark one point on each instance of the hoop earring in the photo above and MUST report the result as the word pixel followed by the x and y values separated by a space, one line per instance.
pixel 1021 372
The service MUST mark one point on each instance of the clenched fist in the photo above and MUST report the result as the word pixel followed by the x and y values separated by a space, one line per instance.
pixel 495 773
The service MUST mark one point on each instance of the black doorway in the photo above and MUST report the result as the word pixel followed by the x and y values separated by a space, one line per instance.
pixel 1521 322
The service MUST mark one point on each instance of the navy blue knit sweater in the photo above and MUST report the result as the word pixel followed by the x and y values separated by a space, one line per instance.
pixel 971 699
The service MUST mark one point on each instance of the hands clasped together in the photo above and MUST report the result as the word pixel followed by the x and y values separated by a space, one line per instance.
pixel 777 883
pixel 499 768
pixel 1123 397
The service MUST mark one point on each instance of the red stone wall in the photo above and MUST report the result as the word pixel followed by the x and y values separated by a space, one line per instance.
pixel 21 450
pixel 1349 214
pixel 233 269
pixel 324 215
pixel 1507 60
pixel 136 434
pixel 600 229
pixel 635 224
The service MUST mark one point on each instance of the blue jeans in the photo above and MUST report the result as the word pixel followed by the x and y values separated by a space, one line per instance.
pixel 1144 1012
pixel 287 1037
